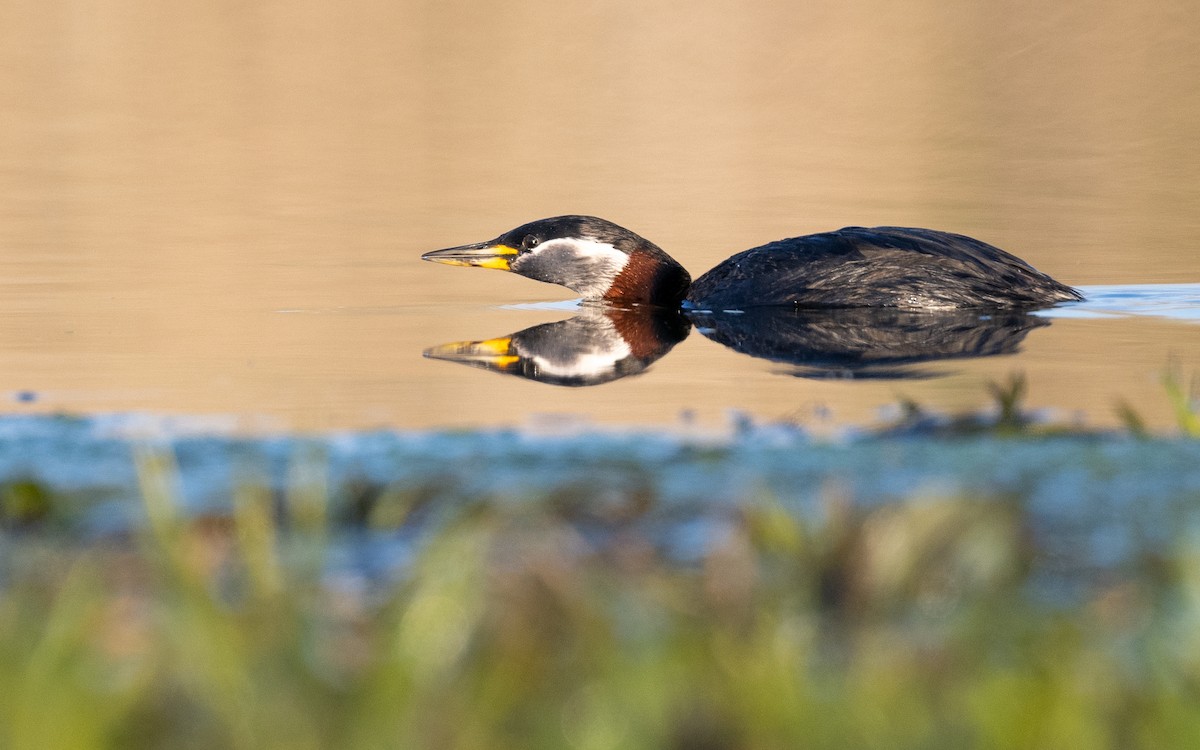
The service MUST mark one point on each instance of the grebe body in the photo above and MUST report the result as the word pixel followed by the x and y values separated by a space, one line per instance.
pixel 886 267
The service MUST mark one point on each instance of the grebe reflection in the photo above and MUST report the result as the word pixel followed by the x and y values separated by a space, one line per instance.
pixel 602 344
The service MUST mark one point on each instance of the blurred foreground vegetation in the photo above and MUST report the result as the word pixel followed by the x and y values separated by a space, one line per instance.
pixel 916 624
pixel 557 622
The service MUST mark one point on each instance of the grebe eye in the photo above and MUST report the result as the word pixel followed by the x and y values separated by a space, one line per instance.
pixel 530 242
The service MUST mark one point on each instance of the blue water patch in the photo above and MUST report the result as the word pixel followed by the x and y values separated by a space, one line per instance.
pixel 1093 501
pixel 1174 301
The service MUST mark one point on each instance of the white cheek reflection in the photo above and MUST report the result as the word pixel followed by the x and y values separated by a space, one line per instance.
pixel 584 364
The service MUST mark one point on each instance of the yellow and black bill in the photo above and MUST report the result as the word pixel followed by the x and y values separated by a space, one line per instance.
pixel 497 354
pixel 481 254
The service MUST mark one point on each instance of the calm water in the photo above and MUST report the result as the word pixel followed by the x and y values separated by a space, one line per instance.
pixel 218 210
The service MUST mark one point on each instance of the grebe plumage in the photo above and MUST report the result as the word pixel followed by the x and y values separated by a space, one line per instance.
pixel 891 267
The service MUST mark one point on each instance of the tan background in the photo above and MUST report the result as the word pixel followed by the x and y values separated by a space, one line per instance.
pixel 218 207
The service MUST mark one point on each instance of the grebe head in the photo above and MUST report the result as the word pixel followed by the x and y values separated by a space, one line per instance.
pixel 593 257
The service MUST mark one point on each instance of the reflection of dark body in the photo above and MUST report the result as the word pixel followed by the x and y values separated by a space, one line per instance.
pixel 596 346
pixel 865 342
pixel 602 344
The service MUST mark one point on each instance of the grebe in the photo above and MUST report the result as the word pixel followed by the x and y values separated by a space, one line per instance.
pixel 893 267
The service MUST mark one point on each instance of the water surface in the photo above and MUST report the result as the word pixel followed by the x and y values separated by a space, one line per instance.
pixel 218 210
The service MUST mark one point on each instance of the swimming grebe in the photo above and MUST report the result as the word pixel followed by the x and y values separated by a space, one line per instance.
pixel 852 267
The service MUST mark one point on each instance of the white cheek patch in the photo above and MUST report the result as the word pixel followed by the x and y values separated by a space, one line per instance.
pixel 586 266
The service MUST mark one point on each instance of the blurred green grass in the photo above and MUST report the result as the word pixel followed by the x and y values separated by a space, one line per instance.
pixel 916 624
pixel 557 622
